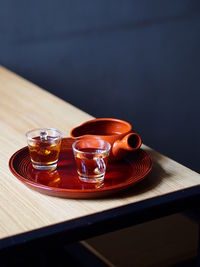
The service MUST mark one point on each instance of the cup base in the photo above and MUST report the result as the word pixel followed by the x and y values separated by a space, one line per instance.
pixel 90 179
pixel 45 167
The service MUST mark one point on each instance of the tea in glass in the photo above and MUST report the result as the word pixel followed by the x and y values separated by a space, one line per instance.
pixel 44 148
pixel 91 158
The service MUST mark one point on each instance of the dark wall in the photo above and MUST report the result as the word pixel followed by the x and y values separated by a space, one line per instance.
pixel 136 60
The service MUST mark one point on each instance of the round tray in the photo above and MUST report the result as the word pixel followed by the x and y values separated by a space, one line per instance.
pixel 64 181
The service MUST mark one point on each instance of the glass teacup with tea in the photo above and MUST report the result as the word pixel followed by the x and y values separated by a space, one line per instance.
pixel 44 147
pixel 91 156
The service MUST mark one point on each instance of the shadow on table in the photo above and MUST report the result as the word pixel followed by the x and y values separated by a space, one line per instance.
pixel 157 175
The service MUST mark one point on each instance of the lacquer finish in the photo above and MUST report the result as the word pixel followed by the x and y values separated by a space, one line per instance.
pixel 64 181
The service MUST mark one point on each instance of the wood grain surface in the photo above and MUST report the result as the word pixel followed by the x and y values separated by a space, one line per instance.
pixel 24 106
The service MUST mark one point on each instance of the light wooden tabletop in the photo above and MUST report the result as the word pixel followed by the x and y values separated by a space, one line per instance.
pixel 24 106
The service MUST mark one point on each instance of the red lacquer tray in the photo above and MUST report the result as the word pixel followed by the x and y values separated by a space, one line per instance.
pixel 64 181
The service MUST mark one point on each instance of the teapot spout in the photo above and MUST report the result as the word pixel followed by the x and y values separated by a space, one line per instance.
pixel 130 142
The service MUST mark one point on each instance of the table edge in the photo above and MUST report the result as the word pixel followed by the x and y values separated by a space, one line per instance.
pixel 109 220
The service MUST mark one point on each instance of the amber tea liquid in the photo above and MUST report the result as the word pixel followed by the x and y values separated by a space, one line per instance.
pixel 44 152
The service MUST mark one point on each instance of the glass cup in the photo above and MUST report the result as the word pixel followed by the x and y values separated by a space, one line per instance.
pixel 44 148
pixel 91 158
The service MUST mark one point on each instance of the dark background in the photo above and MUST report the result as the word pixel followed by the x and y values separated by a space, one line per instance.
pixel 137 60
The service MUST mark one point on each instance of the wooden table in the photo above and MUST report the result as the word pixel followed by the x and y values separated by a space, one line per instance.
pixel 28 216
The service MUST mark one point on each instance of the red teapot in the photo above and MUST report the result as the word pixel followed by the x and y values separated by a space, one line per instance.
pixel 118 133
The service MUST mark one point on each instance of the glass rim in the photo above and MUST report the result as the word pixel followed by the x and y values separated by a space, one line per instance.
pixel 104 150
pixel 44 129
